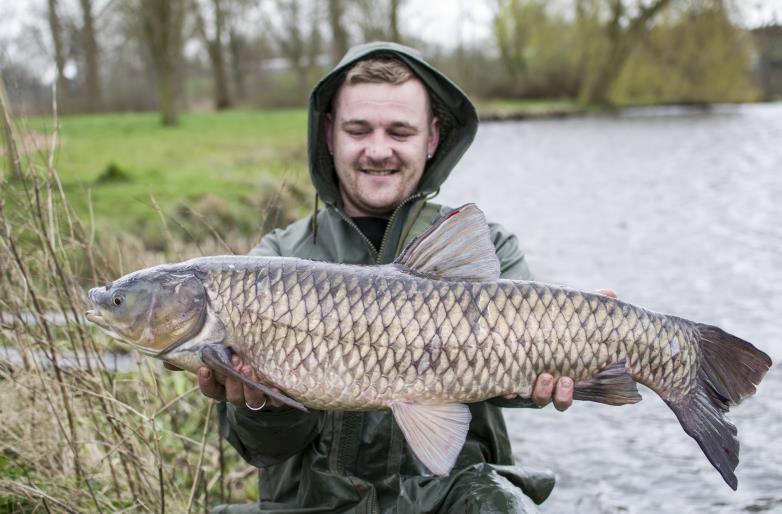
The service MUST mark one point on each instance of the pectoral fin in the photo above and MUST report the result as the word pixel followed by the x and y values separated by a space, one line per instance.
pixel 218 358
pixel 435 433
pixel 612 386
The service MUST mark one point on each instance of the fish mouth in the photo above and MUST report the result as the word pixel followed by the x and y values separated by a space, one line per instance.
pixel 94 316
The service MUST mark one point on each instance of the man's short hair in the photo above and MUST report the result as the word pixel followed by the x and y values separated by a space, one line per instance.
pixel 384 68
pixel 381 69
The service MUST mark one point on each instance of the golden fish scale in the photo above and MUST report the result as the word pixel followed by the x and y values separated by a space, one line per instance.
pixel 354 338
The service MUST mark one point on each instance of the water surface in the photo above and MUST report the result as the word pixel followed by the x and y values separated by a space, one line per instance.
pixel 681 212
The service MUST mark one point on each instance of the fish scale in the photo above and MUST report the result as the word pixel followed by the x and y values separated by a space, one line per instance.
pixel 424 336
pixel 575 334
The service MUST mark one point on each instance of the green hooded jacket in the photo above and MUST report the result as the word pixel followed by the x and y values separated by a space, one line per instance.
pixel 358 462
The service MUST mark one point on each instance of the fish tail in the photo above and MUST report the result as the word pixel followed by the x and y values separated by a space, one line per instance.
pixel 730 368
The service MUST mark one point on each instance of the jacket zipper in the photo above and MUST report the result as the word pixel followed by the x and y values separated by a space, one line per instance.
pixel 378 254
pixel 391 224
pixel 366 240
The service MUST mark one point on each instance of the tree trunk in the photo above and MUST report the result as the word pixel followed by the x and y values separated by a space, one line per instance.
pixel 93 88
pixel 339 36
pixel 394 20
pixel 169 115
pixel 59 57
pixel 235 43
pixel 216 53
pixel 162 22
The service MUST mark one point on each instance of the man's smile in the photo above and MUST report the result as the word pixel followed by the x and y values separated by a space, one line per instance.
pixel 379 173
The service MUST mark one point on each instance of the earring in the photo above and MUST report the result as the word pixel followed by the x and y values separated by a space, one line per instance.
pixel 428 156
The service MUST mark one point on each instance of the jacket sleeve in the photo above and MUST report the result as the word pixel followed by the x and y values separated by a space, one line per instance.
pixel 268 437
pixel 513 265
pixel 513 262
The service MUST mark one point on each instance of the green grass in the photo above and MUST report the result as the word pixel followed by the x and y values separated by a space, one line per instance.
pixel 529 108
pixel 224 165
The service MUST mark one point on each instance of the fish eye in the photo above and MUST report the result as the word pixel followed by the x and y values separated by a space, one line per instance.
pixel 118 299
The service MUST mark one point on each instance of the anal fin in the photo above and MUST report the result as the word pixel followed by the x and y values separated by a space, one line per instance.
pixel 218 358
pixel 435 433
pixel 612 386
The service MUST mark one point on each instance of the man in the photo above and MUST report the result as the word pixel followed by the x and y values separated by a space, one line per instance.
pixel 385 130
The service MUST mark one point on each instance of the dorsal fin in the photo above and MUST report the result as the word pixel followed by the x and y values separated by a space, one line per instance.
pixel 456 247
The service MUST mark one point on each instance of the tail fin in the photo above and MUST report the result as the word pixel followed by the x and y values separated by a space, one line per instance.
pixel 729 371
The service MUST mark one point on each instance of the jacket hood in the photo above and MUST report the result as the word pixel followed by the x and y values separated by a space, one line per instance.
pixel 458 119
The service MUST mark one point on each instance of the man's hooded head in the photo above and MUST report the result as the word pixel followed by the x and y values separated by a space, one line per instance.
pixel 456 118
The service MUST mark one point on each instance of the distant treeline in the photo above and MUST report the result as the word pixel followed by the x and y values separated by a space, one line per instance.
pixel 184 54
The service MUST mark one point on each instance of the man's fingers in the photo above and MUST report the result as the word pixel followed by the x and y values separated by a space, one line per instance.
pixel 563 393
pixel 607 292
pixel 255 397
pixel 252 396
pixel 275 403
pixel 544 386
pixel 209 386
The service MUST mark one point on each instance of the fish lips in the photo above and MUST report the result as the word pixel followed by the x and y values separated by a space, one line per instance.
pixel 95 317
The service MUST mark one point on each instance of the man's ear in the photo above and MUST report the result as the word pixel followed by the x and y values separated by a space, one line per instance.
pixel 434 136
pixel 329 125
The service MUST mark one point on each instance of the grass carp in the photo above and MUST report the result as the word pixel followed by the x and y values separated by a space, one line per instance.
pixel 427 334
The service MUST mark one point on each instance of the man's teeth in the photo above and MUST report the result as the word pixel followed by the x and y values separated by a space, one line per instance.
pixel 379 172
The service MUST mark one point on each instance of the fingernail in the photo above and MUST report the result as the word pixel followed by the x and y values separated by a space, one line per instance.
pixel 234 360
pixel 546 380
pixel 565 383
pixel 203 373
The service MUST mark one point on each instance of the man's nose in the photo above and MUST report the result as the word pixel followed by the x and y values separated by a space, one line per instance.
pixel 379 148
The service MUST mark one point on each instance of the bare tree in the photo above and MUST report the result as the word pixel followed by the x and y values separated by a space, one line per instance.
pixel 162 23
pixel 339 36
pixel 291 40
pixel 234 12
pixel 378 20
pixel 55 27
pixel 92 75
pixel 393 20
pixel 215 49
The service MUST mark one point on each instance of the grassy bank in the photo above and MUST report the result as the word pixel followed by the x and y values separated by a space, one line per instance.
pixel 222 168
pixel 519 109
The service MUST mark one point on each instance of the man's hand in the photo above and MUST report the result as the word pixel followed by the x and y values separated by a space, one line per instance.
pixel 561 392
pixel 234 391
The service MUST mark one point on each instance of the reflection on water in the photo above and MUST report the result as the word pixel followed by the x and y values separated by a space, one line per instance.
pixel 680 212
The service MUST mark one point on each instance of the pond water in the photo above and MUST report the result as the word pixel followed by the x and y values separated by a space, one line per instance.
pixel 679 211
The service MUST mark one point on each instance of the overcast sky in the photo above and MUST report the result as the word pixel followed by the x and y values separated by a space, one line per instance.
pixel 437 21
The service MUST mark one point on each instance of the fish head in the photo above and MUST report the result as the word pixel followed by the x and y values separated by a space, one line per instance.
pixel 154 310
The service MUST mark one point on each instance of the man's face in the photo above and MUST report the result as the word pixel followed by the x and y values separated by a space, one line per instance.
pixel 380 135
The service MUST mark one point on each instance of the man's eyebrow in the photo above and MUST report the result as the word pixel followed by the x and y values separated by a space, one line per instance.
pixel 355 122
pixel 393 125
pixel 404 125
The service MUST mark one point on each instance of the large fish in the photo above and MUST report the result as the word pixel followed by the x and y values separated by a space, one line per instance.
pixel 424 336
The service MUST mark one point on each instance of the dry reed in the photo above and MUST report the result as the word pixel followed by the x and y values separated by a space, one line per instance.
pixel 78 435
